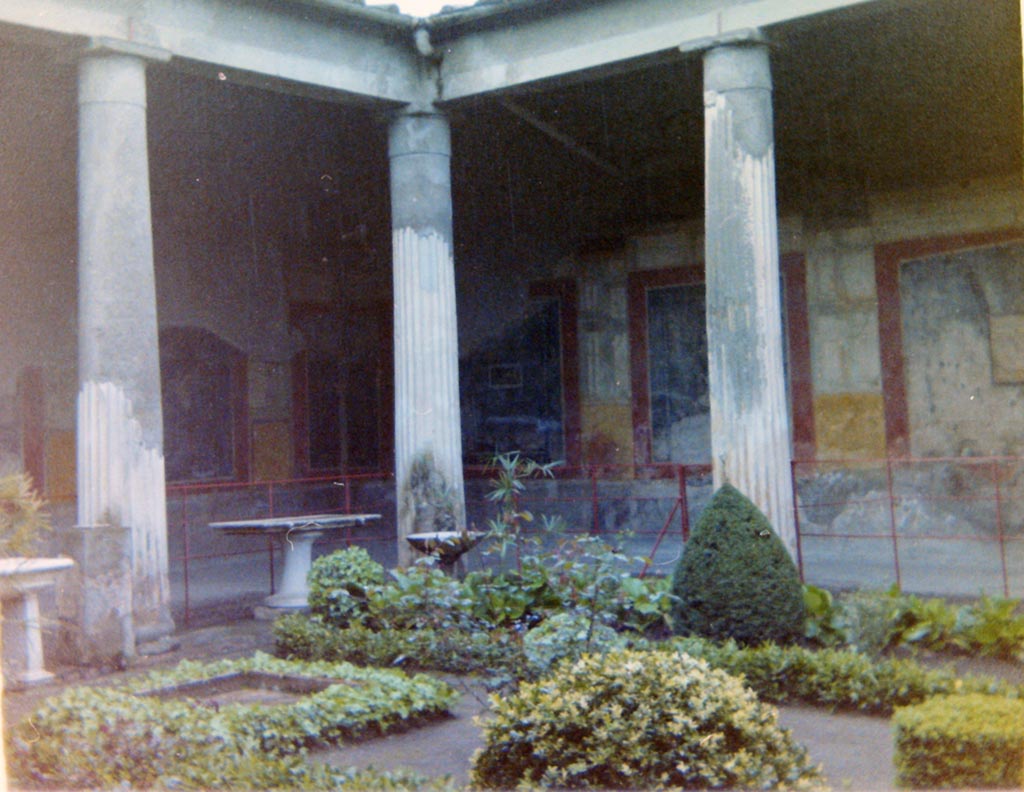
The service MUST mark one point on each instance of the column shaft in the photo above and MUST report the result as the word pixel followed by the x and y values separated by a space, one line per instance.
pixel 428 433
pixel 120 424
pixel 750 441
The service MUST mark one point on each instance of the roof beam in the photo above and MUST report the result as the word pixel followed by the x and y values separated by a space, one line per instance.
pixel 333 48
pixel 590 36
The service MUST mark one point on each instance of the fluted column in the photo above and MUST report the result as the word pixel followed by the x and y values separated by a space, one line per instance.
pixel 750 442
pixel 120 424
pixel 428 433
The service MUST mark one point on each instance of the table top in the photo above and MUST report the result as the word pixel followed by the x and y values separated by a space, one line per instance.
pixel 301 522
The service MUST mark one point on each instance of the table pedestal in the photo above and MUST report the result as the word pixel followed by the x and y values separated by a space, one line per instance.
pixel 293 594
pixel 296 536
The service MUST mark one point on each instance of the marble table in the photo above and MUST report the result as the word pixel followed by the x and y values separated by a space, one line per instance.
pixel 296 536
pixel 21 579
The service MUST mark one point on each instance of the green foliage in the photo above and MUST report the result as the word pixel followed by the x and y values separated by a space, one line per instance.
pixel 960 742
pixel 21 515
pixel 638 720
pixel 507 531
pixel 822 624
pixel 736 579
pixel 496 652
pixel 338 584
pixel 504 598
pixel 568 635
pixel 877 621
pixel 420 596
pixel 843 679
pixel 103 737
pixel 992 627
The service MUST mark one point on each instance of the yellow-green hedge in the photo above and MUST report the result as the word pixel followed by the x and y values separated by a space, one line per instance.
pixel 960 741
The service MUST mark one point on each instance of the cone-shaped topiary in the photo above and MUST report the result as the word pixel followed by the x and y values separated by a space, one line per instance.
pixel 736 579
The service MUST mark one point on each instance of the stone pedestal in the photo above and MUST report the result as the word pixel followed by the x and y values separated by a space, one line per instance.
pixel 750 438
pixel 21 580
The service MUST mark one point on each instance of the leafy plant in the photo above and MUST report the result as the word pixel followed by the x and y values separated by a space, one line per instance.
pixel 21 515
pixel 507 530
pixel 339 584
pixel 637 720
pixel 567 635
pixel 992 627
pixel 735 578
pixel 823 625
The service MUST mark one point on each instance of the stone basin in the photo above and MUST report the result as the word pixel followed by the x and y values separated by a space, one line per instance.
pixel 19 575
pixel 448 546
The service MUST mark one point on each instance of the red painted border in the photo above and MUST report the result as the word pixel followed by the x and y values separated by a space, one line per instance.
pixel 300 412
pixel 637 284
pixel 794 269
pixel 32 408
pixel 888 257
pixel 566 292
pixel 801 380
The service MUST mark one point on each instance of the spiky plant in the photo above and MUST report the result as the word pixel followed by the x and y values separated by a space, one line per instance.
pixel 22 518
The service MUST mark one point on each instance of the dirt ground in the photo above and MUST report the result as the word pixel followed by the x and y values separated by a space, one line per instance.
pixel 854 750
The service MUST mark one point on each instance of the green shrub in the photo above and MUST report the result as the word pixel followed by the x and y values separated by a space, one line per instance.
pixel 992 627
pixel 567 635
pixel 637 720
pixel 105 737
pixel 871 621
pixel 417 597
pixel 496 652
pixel 736 579
pixel 835 678
pixel 963 741
pixel 338 584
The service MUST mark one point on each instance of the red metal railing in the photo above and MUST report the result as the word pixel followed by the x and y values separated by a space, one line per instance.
pixel 951 524
pixel 924 523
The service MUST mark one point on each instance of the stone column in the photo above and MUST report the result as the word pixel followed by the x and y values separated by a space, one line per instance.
pixel 428 433
pixel 750 438
pixel 120 423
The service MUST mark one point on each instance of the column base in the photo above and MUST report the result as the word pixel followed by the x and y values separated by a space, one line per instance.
pixel 28 679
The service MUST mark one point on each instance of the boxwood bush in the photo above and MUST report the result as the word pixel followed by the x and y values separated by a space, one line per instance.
pixel 959 742
pixel 638 720
pixel 735 578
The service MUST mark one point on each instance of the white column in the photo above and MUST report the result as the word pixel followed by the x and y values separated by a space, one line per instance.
pixel 120 424
pixel 750 437
pixel 427 419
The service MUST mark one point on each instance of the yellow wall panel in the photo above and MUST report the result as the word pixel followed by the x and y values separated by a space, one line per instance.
pixel 271 451
pixel 849 425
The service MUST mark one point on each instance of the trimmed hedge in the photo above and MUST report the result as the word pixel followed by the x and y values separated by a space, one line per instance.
pixel 840 679
pixel 638 720
pixel 735 578
pixel 301 637
pixel 960 741
pixel 106 737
